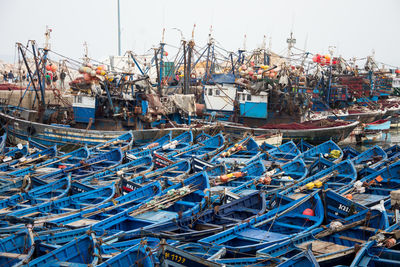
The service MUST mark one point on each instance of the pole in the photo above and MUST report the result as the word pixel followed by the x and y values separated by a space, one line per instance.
pixel 119 31
pixel 184 69
pixel 189 64
pixel 158 71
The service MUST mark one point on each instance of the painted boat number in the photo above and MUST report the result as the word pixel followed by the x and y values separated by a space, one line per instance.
pixel 174 257
pixel 344 208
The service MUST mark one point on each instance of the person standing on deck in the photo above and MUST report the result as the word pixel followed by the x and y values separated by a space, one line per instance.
pixel 10 76
pixel 62 79
pixel 5 77
pixel 23 76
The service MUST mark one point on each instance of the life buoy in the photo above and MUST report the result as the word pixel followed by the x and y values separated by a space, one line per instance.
pixel 193 76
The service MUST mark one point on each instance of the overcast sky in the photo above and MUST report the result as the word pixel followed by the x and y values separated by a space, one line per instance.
pixel 354 27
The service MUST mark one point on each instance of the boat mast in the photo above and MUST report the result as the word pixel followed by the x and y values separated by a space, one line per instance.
pixel 119 31
pixel 189 59
pixel 162 44
pixel 210 41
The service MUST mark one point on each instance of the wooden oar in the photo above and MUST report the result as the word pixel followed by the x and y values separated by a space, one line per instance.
pixel 49 163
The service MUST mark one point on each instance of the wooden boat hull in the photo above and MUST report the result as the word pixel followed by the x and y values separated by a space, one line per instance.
pixel 22 130
pixel 365 117
pixel 319 135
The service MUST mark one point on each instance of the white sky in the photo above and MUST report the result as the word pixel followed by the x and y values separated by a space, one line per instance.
pixel 354 27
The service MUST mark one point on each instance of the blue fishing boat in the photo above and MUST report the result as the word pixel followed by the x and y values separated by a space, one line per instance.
pixel 211 221
pixel 236 181
pixel 87 167
pixel 303 146
pixel 100 214
pixel 63 206
pixel 283 222
pixel 350 152
pixel 127 171
pixel 282 154
pixel 17 249
pixel 240 152
pixel 80 251
pixel 38 195
pixel 379 252
pixel 203 150
pixel 156 144
pixel 124 142
pixel 374 188
pixel 31 159
pixel 143 206
pixel 54 163
pixel 168 175
pixel 378 125
pixel 335 177
pixel 138 255
pixel 334 244
pixel 180 142
pixel 369 157
pixel 276 178
pixel 10 153
pixel 329 150
pixel 177 201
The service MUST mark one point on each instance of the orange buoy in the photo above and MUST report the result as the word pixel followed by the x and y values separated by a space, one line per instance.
pixel 53 68
pixel 48 67
pixel 62 167
pixel 238 174
pixel 224 178
pixel 349 196
pixel 308 212
pixel 390 242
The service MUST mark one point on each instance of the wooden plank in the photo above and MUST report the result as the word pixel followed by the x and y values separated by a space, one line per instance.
pixel 13 255
pixel 83 222
pixel 297 196
pixel 319 247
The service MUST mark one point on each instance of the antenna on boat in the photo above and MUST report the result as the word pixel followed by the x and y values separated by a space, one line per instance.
pixel 291 42
pixel 210 38
pixel 194 26
pixel 119 30
pixel 86 54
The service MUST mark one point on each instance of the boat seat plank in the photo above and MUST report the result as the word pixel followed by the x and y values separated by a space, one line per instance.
pixel 83 222
pixel 320 247
pixel 365 199
pixel 13 255
pixel 297 196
